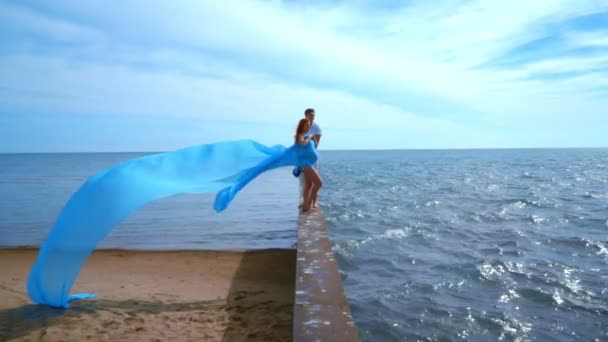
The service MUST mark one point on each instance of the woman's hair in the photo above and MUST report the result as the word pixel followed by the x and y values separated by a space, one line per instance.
pixel 303 127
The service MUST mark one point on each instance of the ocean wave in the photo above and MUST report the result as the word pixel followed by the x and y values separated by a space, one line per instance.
pixel 517 268
pixel 513 328
pixel 521 203
pixel 594 195
pixel 487 217
pixel 536 219
pixel 491 271
pixel 537 295
pixel 600 247
pixel 348 215
pixel 347 247
pixel 508 296
pixel 391 234
pixel 579 244
pixel 571 218
pixel 449 285
pixel 571 282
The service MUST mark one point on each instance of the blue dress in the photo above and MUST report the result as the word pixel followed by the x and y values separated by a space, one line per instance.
pixel 298 155
pixel 110 196
pixel 306 155
pixel 309 154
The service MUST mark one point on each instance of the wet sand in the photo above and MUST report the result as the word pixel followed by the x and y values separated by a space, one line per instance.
pixel 158 296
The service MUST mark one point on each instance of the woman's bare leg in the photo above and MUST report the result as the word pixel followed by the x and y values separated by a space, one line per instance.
pixel 307 189
pixel 317 183
pixel 306 205
pixel 303 184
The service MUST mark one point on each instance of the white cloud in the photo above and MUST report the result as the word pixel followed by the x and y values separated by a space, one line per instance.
pixel 251 60
pixel 25 21
pixel 350 120
pixel 588 39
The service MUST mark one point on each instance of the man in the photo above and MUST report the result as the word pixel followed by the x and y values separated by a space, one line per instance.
pixel 314 131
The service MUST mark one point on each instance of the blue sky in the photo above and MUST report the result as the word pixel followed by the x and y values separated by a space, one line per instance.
pixel 150 76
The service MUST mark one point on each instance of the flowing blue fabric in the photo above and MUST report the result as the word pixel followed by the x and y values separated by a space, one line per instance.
pixel 111 195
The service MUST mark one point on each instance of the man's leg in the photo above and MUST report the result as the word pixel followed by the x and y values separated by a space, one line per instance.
pixel 314 196
pixel 302 187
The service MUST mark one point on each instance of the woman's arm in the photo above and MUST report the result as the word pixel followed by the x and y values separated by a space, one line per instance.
pixel 303 141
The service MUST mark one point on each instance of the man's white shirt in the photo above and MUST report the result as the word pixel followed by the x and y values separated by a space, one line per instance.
pixel 314 130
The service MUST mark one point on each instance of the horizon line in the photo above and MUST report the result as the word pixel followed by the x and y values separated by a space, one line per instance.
pixel 338 150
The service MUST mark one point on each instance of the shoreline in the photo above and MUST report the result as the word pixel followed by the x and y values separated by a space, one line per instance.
pixel 158 295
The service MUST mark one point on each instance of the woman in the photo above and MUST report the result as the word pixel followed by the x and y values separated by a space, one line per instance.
pixel 111 195
pixel 312 180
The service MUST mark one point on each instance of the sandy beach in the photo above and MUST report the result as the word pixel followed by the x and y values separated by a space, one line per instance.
pixel 158 296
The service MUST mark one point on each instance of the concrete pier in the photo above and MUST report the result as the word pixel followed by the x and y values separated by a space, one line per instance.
pixel 321 311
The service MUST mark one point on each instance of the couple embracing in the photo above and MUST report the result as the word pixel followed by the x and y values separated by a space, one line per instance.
pixel 308 136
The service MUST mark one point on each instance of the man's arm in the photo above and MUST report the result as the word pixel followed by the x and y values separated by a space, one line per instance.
pixel 317 135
